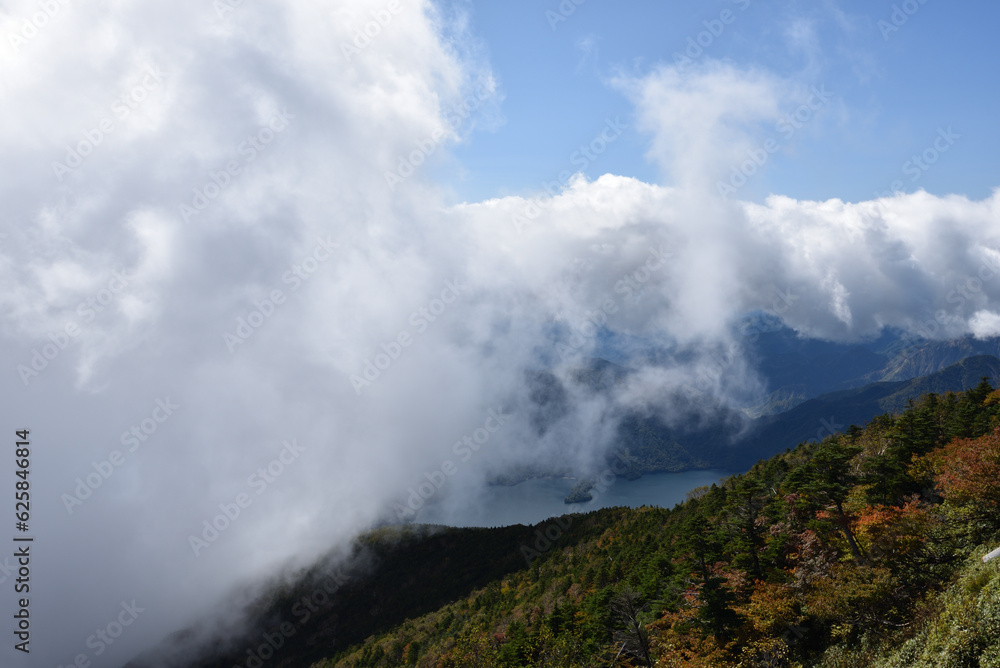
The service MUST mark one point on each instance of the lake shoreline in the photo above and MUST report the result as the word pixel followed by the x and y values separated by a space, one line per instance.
pixel 535 500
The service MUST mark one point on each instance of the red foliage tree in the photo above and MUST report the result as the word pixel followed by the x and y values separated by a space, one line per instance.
pixel 967 471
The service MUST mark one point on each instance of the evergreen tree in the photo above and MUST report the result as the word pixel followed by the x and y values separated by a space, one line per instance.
pixel 826 480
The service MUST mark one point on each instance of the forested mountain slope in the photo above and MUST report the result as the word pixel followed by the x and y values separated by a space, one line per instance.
pixel 858 550
pixel 651 446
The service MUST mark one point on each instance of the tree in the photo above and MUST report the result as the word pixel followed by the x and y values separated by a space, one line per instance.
pixel 626 606
pixel 701 550
pixel 745 505
pixel 966 472
pixel 968 419
pixel 826 480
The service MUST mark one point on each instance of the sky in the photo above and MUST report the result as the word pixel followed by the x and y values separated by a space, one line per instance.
pixel 269 267
pixel 892 88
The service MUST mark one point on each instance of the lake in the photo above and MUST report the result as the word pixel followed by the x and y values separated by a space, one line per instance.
pixel 534 501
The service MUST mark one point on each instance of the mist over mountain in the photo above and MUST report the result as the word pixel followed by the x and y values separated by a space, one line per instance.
pixel 832 386
pixel 774 568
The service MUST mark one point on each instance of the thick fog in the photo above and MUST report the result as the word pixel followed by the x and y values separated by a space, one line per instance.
pixel 231 277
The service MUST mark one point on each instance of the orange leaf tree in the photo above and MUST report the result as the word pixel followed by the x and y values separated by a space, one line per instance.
pixel 967 475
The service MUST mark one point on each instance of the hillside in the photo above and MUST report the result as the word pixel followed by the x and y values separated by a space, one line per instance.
pixel 817 388
pixel 653 447
pixel 820 556
pixel 796 369
pixel 819 417
pixel 858 550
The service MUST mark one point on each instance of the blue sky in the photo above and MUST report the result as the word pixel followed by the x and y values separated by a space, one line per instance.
pixel 891 96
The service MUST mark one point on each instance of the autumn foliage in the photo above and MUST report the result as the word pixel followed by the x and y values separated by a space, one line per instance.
pixel 830 554
pixel 967 470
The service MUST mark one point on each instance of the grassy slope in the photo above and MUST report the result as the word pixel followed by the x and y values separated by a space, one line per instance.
pixel 960 627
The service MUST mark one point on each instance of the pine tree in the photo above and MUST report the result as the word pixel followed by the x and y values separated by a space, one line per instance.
pixel 826 480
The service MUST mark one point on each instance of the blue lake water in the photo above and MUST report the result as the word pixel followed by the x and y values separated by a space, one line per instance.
pixel 534 501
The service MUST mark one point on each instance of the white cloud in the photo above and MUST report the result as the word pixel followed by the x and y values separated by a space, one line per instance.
pixel 703 120
pixel 985 324
pixel 149 105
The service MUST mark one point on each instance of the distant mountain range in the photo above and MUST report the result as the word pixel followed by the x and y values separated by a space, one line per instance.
pixel 814 389
pixel 796 369
pixel 836 411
